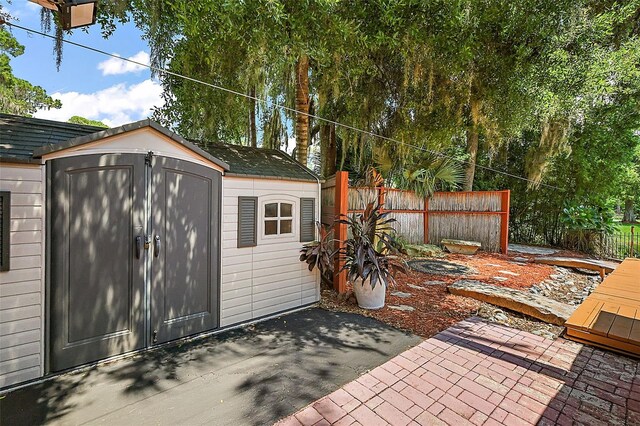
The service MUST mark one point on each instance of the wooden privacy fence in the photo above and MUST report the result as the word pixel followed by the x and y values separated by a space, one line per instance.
pixel 477 216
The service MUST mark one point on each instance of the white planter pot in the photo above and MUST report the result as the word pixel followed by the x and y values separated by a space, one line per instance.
pixel 367 297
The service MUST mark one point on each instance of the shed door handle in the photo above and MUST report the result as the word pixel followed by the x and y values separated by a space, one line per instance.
pixel 156 246
pixel 138 246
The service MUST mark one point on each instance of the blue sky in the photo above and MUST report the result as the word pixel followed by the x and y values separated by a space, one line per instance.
pixel 88 84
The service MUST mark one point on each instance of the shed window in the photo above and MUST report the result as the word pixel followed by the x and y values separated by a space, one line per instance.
pixel 5 217
pixel 278 218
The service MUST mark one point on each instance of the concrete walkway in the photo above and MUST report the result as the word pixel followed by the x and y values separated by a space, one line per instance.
pixel 479 373
pixel 251 376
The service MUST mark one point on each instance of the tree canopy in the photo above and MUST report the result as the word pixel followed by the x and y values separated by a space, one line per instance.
pixel 439 74
pixel 18 96
pixel 543 89
pixel 76 119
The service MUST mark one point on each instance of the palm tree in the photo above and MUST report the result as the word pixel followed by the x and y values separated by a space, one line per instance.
pixel 302 108
pixel 431 175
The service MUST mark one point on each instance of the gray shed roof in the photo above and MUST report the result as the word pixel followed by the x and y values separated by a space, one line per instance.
pixel 259 162
pixel 21 136
pixel 24 139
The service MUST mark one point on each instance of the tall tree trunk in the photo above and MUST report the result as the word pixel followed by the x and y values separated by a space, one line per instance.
pixel 328 149
pixel 302 105
pixel 629 212
pixel 253 133
pixel 472 149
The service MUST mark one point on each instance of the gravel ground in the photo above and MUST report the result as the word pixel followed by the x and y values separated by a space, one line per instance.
pixel 567 286
pixel 519 321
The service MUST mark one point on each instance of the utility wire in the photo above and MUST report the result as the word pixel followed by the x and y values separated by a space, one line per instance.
pixel 283 107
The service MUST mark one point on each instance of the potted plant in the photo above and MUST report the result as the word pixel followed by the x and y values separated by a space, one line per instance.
pixel 365 252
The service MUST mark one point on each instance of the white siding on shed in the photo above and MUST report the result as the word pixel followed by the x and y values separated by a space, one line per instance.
pixel 22 287
pixel 268 278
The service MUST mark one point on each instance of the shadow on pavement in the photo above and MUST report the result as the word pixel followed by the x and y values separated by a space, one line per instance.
pixel 254 375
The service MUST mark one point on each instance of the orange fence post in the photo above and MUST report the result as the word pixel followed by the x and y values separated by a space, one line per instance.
pixel 425 217
pixel 341 206
pixel 504 225
pixel 381 194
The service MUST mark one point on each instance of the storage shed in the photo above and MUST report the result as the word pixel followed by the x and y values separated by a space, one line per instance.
pixel 117 240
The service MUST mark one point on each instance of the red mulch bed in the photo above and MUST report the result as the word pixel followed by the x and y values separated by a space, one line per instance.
pixel 435 308
pixel 485 263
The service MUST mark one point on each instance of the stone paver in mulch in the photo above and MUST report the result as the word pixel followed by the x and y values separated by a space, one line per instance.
pixel 440 267
pixel 480 373
pixel 534 250
pixel 532 304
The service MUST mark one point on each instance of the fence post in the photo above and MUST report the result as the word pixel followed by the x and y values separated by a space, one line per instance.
pixel 425 217
pixel 340 230
pixel 504 225
pixel 381 196
pixel 632 241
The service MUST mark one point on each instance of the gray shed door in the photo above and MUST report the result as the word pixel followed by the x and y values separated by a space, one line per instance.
pixel 103 207
pixel 184 291
pixel 97 283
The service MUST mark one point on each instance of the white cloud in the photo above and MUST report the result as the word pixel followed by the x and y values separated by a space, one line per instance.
pixel 115 66
pixel 33 6
pixel 114 106
pixel 21 10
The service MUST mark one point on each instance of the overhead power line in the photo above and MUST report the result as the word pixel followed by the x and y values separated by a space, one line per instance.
pixel 282 107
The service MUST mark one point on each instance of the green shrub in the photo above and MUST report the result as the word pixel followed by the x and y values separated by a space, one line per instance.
pixel 586 227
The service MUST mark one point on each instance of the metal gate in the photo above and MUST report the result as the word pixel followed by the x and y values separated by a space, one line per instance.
pixel 134 254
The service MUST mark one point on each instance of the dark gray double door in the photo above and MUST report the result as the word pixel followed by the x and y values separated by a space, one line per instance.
pixel 134 254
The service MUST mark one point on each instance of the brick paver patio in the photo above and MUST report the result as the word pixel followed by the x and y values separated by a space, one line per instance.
pixel 480 373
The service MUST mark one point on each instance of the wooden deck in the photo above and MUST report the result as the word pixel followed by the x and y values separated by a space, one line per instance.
pixel 610 316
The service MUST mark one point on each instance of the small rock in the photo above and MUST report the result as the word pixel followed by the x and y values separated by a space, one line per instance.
pixel 500 316
pixel 433 282
pixel 494 265
pixel 520 259
pixel 509 273
pixel 573 289
pixel 501 279
pixel 556 276
pixel 401 294
pixel 416 287
pixel 403 308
